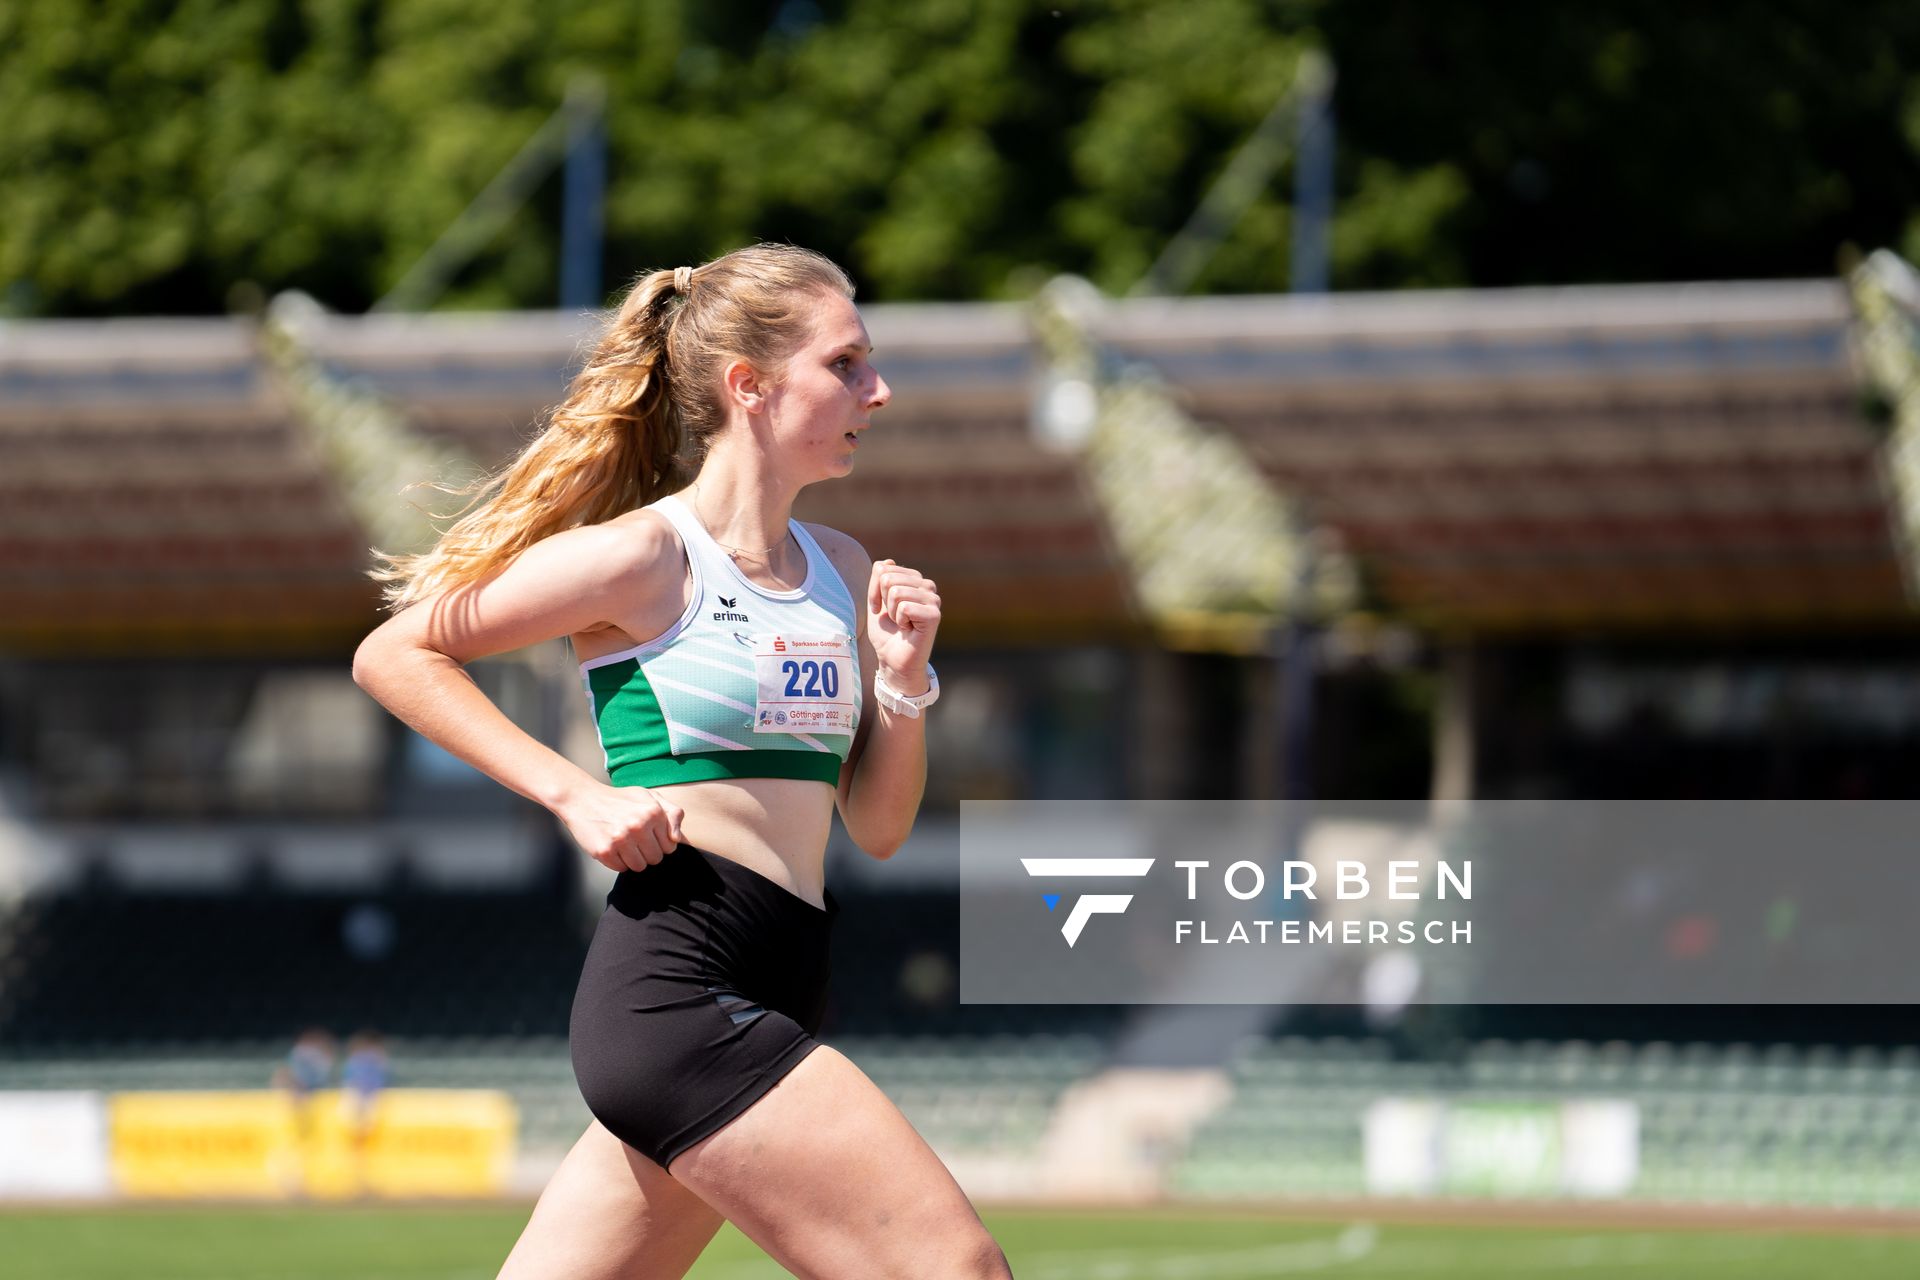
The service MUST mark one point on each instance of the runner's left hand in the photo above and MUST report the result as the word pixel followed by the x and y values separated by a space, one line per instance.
pixel 903 612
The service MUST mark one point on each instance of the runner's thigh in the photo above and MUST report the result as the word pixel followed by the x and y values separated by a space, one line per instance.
pixel 827 1176
pixel 611 1214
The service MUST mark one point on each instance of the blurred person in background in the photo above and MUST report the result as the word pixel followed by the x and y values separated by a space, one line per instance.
pixel 363 1075
pixel 308 1066
pixel 307 1070
pixel 728 652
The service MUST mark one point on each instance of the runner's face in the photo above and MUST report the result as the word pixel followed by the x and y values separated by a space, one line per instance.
pixel 824 402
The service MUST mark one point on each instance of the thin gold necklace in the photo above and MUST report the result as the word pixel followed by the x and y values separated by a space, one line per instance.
pixel 735 552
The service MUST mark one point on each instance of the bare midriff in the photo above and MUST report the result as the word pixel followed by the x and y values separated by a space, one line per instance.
pixel 775 826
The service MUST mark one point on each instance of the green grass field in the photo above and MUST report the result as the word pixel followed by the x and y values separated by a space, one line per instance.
pixel 468 1244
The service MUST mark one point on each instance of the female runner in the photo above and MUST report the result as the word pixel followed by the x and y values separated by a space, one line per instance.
pixel 747 673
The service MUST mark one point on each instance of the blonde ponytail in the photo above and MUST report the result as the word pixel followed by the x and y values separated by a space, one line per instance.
pixel 637 419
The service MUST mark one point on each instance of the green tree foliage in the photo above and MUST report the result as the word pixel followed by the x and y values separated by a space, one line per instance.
pixel 157 152
pixel 1635 140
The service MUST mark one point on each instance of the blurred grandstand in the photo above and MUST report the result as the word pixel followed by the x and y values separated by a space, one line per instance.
pixel 1612 541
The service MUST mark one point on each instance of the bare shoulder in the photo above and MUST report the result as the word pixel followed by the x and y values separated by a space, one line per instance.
pixel 617 576
pixel 848 556
pixel 634 550
pixel 638 540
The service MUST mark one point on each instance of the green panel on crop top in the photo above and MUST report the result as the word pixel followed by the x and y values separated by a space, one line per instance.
pixel 749 683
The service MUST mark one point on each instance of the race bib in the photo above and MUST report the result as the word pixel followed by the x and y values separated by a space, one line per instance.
pixel 805 684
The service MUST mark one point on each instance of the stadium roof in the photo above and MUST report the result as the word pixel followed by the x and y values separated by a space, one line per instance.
pixel 1641 456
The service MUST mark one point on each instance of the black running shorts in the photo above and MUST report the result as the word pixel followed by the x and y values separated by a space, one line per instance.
pixel 704 985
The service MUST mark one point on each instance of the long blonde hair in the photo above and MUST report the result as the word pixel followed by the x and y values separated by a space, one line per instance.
pixel 638 417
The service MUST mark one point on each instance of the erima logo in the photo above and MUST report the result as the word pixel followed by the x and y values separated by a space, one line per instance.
pixel 727 614
pixel 1091 904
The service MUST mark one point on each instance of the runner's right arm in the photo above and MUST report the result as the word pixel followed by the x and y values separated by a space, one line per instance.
pixel 580 580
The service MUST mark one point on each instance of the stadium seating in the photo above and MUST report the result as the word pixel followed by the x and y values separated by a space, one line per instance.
pixel 969 1095
pixel 1718 1124
pixel 1728 1124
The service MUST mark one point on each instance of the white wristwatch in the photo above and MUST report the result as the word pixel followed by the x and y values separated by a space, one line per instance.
pixel 902 705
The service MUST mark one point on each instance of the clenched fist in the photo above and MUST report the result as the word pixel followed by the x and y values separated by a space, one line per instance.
pixel 622 828
pixel 903 611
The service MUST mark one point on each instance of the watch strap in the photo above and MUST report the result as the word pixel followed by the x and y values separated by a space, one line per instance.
pixel 907 705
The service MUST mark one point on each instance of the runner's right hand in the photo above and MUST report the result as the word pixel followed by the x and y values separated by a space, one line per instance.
pixel 622 828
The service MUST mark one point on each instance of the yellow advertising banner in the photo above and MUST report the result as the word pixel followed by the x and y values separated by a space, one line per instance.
pixel 410 1142
pixel 404 1143
pixel 203 1144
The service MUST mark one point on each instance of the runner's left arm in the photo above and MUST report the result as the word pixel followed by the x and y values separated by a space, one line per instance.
pixel 886 770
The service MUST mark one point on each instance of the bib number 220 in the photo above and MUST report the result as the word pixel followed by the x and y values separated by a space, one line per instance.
pixel 810 679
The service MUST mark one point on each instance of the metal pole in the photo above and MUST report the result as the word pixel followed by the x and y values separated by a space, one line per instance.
pixel 484 218
pixel 1246 175
pixel 1296 647
pixel 1313 187
pixel 583 200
